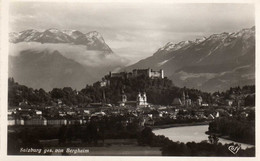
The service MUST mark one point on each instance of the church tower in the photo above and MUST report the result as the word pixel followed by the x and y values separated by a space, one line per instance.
pixel 183 98
pixel 139 98
pixel 144 98
pixel 124 97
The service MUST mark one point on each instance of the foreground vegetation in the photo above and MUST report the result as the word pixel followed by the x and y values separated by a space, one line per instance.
pixel 170 148
pixel 95 134
pixel 236 129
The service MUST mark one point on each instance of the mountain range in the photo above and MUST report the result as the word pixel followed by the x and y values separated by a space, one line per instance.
pixel 58 58
pixel 92 40
pixel 211 63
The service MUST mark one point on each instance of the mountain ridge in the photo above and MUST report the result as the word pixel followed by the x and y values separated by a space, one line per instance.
pixel 55 58
pixel 202 61
pixel 92 40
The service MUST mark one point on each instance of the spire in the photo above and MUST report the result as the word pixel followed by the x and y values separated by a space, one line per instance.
pixel 104 97
pixel 187 96
pixel 183 95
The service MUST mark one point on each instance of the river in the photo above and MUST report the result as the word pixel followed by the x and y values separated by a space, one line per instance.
pixel 192 133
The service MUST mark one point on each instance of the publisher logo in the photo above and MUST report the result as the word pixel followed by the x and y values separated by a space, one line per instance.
pixel 234 148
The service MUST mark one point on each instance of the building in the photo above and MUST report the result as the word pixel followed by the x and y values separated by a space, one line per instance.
pixel 185 100
pixel 229 102
pixel 199 101
pixel 141 100
pixel 177 102
pixel 149 73
pixel 11 120
pixel 56 121
pixel 135 73
pixel 188 100
pixel 38 112
pixel 104 83
pixel 35 121
pixel 123 99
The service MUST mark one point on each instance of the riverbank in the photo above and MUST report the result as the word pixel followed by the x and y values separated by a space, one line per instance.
pixel 179 125
pixel 195 134
pixel 228 138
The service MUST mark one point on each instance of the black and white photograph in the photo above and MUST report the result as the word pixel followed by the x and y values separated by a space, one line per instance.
pixel 131 79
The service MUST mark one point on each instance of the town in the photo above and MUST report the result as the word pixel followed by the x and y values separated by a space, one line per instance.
pixel 122 109
pixel 182 109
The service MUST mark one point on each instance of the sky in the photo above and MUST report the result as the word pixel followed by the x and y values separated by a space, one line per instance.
pixel 134 30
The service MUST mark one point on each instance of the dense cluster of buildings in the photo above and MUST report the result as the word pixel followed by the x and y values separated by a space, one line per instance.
pixel 47 116
pixel 64 115
pixel 58 116
pixel 140 109
pixel 141 101
pixel 185 101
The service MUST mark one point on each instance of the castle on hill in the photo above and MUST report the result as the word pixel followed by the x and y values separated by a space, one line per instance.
pixel 138 72
pixel 135 73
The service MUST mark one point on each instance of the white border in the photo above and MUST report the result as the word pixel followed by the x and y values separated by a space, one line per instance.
pixel 4 75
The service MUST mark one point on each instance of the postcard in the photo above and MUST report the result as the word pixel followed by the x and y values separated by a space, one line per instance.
pixel 129 80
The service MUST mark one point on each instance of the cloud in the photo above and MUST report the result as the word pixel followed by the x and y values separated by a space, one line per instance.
pixel 134 28
pixel 77 53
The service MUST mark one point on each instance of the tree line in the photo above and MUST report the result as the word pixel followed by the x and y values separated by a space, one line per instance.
pixel 159 91
pixel 235 128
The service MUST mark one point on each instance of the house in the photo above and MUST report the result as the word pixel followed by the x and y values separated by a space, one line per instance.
pixel 11 120
pixel 229 102
pixel 38 112
pixel 123 99
pixel 204 104
pixel 11 111
pixel 56 121
pixel 19 121
pixel 36 120
pixel 199 101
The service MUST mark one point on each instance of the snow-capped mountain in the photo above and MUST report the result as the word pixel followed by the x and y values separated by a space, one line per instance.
pixel 57 58
pixel 73 33
pixel 170 46
pixel 213 63
pixel 92 40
